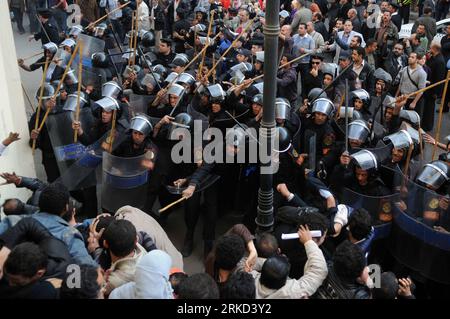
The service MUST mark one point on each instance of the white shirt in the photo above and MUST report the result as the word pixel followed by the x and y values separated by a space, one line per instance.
pixel 357 70
pixel 175 6
pixel 2 148
pixel 143 14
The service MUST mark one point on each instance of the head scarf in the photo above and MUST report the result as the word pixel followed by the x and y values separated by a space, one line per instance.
pixel 151 279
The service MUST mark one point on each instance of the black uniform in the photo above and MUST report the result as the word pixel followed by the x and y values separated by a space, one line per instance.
pixel 325 138
pixel 164 60
pixel 45 145
pixel 129 149
pixel 52 32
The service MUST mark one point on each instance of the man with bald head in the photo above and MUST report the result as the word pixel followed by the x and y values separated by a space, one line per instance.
pixel 286 38
pixel 352 15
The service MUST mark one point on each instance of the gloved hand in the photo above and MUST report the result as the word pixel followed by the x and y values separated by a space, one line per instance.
pixel 341 216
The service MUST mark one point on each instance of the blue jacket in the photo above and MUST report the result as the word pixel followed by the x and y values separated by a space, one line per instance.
pixel 60 229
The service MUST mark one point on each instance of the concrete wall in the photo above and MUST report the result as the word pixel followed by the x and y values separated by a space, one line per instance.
pixel 17 157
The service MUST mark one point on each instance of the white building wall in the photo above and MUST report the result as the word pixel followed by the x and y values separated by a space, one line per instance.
pixel 17 157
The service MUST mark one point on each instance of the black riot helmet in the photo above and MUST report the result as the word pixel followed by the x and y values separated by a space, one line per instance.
pixel 148 39
pixel 99 60
pixel 316 93
pixel 433 175
pixel 365 160
pixel 183 121
pixel 50 47
pixel 411 117
pixel 362 95
pixel 161 70
pixel 258 99
pixel 48 91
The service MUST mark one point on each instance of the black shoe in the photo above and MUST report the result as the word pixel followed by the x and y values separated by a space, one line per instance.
pixel 188 247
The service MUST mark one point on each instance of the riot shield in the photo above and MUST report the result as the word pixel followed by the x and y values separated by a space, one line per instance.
pixel 310 138
pixel 124 181
pixel 140 103
pixel 93 79
pixel 420 238
pixel 423 204
pixel 81 174
pixel 91 45
pixel 379 207
pixel 116 58
pixel 61 135
pixel 61 58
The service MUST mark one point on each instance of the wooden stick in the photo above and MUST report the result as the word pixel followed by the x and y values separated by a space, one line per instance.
pixel 80 76
pixel 214 73
pixel 280 67
pixel 130 40
pixel 136 33
pixel 43 29
pixel 61 82
pixel 441 109
pixel 421 142
pixel 92 24
pixel 156 101
pixel 340 105
pixel 172 204
pixel 38 112
pixel 32 56
pixel 408 160
pixel 419 91
pixel 112 133
pixel 55 61
pixel 207 41
pixel 229 48
pixel 28 98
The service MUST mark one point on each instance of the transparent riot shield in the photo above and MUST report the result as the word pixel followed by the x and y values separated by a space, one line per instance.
pixel 81 174
pixel 94 79
pixel 421 236
pixel 124 181
pixel 61 58
pixel 61 134
pixel 91 45
pixel 140 103
pixel 379 207
pixel 310 147
pixel 423 204
pixel 116 57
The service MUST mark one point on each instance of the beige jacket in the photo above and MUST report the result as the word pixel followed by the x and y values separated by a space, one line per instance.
pixel 122 271
pixel 146 223
pixel 315 273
